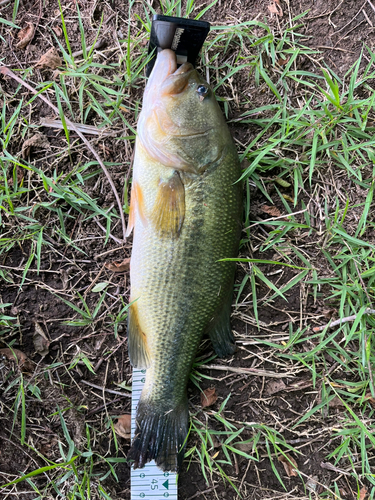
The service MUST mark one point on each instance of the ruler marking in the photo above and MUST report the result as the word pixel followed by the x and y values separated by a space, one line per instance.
pixel 145 481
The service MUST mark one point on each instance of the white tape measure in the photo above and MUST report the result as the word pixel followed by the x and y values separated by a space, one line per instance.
pixel 149 482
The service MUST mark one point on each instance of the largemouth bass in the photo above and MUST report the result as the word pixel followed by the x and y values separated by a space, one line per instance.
pixel 186 210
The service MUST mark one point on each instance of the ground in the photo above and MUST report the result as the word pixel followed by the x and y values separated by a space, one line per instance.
pixel 294 415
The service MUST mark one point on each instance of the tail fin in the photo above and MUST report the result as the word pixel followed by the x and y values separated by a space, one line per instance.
pixel 160 436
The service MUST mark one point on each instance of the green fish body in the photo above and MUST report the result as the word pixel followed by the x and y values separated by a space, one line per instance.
pixel 186 208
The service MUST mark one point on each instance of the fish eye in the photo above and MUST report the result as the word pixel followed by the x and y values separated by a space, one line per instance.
pixel 202 91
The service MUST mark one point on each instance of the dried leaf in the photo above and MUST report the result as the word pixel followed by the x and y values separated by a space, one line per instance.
pixel 25 36
pixel 272 8
pixel 50 59
pixel 41 342
pixel 290 465
pixel 123 426
pixel 370 399
pixel 274 386
pixel 46 447
pixel 100 287
pixel 282 62
pixel 245 446
pixel 312 484
pixel 57 30
pixel 38 140
pixel 215 441
pixel 124 110
pixel 208 397
pixel 328 312
pixel 336 403
pixel 275 8
pixel 16 355
pixel 362 493
pixel 20 172
pixel 118 267
pixel 274 211
pixel 288 198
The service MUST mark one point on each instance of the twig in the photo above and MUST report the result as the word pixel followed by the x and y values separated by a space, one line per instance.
pixel 101 43
pixel 7 72
pixel 110 391
pixel 22 449
pixel 243 477
pixel 4 2
pixel 85 129
pixel 38 20
pixel 352 19
pixel 328 466
pixel 371 5
pixel 89 288
pixel 237 469
pixel 250 371
pixel 100 408
pixel 334 10
pixel 199 493
pixel 367 18
pixel 346 34
pixel 334 48
pixel 117 240
pixel 276 218
pixel 98 255
pixel 341 320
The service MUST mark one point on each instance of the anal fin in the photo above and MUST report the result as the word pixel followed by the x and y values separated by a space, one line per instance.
pixel 137 341
pixel 169 208
pixel 220 331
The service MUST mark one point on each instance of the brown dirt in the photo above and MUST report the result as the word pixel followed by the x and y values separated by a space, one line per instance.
pixel 330 26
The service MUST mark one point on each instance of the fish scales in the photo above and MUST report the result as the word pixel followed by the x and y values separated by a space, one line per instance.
pixel 179 289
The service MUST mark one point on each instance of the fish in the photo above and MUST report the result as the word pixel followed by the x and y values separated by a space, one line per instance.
pixel 185 214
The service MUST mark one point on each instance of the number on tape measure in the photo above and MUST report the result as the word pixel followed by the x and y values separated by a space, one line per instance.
pixel 150 482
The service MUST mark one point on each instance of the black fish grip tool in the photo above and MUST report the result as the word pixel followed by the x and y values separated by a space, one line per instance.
pixel 183 36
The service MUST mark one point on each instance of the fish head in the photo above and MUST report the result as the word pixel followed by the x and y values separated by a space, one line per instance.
pixel 181 124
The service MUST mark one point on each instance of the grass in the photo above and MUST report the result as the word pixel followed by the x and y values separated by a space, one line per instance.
pixel 307 149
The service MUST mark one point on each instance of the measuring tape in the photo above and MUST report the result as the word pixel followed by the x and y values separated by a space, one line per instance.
pixel 149 482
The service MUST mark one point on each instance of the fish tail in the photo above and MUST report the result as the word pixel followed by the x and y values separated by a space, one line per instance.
pixel 160 435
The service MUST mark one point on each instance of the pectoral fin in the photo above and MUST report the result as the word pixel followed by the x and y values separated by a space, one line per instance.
pixel 136 207
pixel 169 209
pixel 137 341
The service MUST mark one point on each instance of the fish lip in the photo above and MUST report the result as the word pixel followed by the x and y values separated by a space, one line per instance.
pixel 176 82
pixel 184 68
pixel 173 77
pixel 171 57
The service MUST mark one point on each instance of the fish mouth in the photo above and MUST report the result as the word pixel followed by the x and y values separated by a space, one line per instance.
pixel 166 62
pixel 172 80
